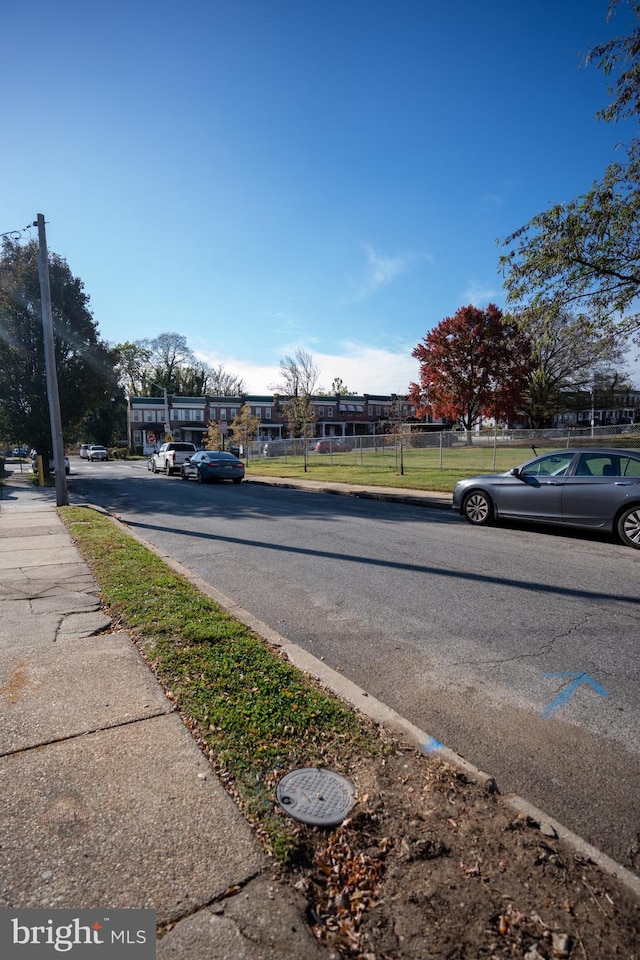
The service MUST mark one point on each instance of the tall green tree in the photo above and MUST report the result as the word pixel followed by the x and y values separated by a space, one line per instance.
pixel 133 364
pixel 170 354
pixel 475 364
pixel 146 367
pixel 85 365
pixel 583 257
pixel 568 356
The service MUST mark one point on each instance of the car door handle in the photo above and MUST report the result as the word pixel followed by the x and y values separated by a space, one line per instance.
pixel 623 483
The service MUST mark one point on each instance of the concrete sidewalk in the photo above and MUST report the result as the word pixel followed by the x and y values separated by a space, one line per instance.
pixel 107 800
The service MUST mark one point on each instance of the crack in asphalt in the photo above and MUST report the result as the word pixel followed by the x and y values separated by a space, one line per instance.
pixel 543 649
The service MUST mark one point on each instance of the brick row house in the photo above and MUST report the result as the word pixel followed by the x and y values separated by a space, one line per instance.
pixel 620 407
pixel 150 419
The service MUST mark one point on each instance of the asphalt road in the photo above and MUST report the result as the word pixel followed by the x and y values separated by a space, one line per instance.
pixel 515 647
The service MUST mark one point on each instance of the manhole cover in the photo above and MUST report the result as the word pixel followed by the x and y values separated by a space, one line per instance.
pixel 316 796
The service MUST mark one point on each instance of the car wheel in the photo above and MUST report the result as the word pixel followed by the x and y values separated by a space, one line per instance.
pixel 199 476
pixel 478 508
pixel 167 469
pixel 183 475
pixel 628 526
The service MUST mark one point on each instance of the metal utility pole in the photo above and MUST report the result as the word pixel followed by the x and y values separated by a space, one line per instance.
pixel 62 494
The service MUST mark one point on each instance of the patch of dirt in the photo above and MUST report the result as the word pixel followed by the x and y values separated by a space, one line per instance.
pixel 431 865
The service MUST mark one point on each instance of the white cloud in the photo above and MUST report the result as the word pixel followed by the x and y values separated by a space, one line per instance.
pixel 363 368
pixel 380 270
pixel 479 295
pixel 367 369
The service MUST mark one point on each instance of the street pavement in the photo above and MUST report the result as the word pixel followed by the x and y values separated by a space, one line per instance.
pixel 421 498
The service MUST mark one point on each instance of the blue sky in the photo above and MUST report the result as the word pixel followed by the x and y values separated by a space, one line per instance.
pixel 262 175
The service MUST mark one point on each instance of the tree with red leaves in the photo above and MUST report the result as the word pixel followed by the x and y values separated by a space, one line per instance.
pixel 472 365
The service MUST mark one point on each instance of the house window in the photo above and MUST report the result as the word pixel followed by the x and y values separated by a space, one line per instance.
pixel 223 413
pixel 149 417
pixel 267 413
pixel 135 415
pixel 329 411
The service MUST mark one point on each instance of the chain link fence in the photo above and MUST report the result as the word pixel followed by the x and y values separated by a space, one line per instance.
pixel 488 450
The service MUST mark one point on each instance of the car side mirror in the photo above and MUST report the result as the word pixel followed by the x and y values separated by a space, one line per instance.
pixel 188 460
pixel 515 472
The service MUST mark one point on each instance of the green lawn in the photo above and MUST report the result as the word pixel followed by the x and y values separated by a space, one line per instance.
pixel 418 469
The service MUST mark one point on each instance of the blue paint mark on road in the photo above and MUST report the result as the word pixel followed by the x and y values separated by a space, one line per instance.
pixel 569 690
pixel 432 746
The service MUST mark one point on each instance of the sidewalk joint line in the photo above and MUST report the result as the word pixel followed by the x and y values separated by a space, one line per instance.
pixel 87 733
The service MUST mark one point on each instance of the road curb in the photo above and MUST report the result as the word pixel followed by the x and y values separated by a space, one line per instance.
pixel 380 713
pixel 433 500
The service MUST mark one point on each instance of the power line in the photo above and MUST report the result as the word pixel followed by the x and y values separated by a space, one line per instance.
pixel 17 234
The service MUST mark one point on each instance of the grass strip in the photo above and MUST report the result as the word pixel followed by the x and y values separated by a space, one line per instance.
pixel 418 469
pixel 255 714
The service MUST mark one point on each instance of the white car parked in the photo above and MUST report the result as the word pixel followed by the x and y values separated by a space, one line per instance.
pixel 96 452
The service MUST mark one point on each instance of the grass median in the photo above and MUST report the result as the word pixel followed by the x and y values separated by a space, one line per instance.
pixel 255 715
pixel 418 469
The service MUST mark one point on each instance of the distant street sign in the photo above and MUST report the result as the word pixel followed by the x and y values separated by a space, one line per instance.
pixel 151 438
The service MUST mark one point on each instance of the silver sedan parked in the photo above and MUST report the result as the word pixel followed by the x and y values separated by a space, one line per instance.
pixel 588 487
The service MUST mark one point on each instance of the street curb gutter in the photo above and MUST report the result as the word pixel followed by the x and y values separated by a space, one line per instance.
pixel 443 502
pixel 380 713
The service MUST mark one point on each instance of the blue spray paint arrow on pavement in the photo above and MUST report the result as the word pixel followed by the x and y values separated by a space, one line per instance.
pixel 570 689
